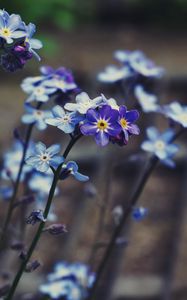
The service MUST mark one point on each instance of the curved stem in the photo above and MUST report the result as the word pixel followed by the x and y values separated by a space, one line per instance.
pixel 16 186
pixel 42 224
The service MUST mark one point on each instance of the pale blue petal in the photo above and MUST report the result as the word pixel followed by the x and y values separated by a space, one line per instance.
pixel 152 133
pixel 54 149
pixel 81 177
pixel 42 166
pixel 148 146
pixel 32 161
pixel 82 97
pixel 14 22
pixel 67 128
pixel 56 161
pixel 58 111
pixel 41 125
pixel 35 44
pixel 72 165
pixel 40 148
pixel 18 34
pixel 28 119
pixel 52 121
pixel 71 106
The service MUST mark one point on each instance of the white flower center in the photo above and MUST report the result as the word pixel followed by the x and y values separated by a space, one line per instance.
pixel 38 114
pixel 66 119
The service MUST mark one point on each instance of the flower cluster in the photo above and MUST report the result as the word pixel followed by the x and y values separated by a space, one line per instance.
pixel 104 119
pixel 41 88
pixel 71 281
pixel 132 64
pixel 16 42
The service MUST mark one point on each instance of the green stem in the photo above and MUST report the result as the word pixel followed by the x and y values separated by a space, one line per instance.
pixel 16 186
pixel 42 224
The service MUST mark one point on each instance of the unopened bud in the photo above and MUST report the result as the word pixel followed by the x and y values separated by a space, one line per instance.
pixel 32 266
pixel 56 229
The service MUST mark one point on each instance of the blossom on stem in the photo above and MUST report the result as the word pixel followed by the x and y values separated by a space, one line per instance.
pixel 102 123
pixel 71 168
pixel 83 103
pixel 147 101
pixel 36 116
pixel 34 44
pixel 176 112
pixel 44 157
pixel 138 63
pixel 160 145
pixel 113 74
pixel 63 120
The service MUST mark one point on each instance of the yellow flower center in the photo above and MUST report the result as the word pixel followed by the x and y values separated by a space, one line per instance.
pixel 40 91
pixel 5 32
pixel 160 145
pixel 124 123
pixel 65 119
pixel 102 124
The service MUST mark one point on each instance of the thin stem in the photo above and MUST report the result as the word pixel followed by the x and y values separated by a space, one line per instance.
pixel 42 224
pixel 16 186
pixel 142 181
pixel 134 198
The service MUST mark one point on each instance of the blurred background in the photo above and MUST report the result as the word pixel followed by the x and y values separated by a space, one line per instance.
pixel 82 35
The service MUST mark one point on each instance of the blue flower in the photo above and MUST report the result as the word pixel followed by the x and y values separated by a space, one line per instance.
pixel 6 192
pixel 71 281
pixel 102 123
pixel 35 116
pixel 113 74
pixel 83 103
pixel 176 112
pixel 62 120
pixel 12 159
pixel 139 213
pixel 160 145
pixel 36 89
pixel 138 63
pixel 9 27
pixel 71 168
pixel 34 44
pixel 41 183
pixel 44 157
pixel 148 102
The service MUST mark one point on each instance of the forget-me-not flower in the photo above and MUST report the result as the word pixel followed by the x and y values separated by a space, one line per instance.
pixel 101 123
pixel 44 157
pixel 160 145
pixel 9 27
pixel 176 112
pixel 65 121
pixel 147 101
pixel 36 89
pixel 138 63
pixel 36 116
pixel 34 44
pixel 71 168
pixel 113 74
pixel 83 103
pixel 71 281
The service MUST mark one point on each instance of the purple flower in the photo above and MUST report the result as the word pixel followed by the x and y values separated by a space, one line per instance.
pixel 102 124
pixel 126 120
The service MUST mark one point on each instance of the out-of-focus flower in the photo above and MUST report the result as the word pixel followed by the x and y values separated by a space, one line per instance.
pixel 117 213
pixel 63 120
pixel 12 159
pixel 44 157
pixel 6 192
pixel 41 183
pixel 111 102
pixel 36 116
pixel 139 213
pixel 176 112
pixel 138 63
pixel 36 89
pixel 71 168
pixel 102 124
pixel 160 144
pixel 148 102
pixel 113 74
pixel 71 281
pixel 34 44
pixel 83 103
